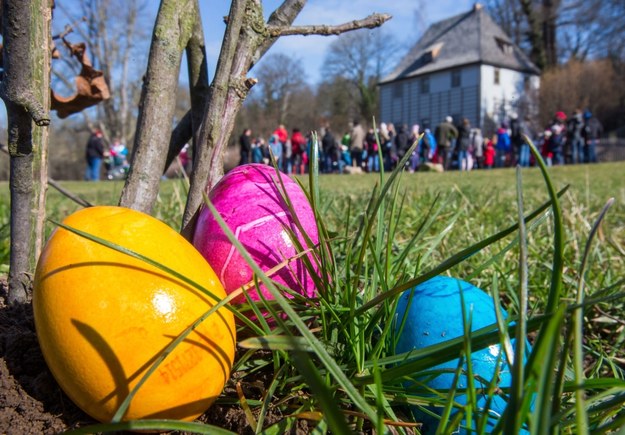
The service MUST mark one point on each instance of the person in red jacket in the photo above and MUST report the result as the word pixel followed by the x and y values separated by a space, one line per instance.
pixel 282 134
pixel 298 146
pixel 489 154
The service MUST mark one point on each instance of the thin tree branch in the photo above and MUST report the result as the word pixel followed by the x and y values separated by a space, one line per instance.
pixel 283 16
pixel 69 28
pixel 78 29
pixel 182 134
pixel 77 199
pixel 371 22
pixel 198 80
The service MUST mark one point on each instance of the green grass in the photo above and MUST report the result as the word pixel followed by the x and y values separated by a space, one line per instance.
pixel 333 363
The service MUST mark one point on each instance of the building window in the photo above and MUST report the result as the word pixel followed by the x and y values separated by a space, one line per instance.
pixel 425 123
pixel 497 72
pixel 504 46
pixel 397 90
pixel 456 78
pixel 425 85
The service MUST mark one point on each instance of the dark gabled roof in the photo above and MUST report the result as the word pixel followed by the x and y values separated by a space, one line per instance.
pixel 468 38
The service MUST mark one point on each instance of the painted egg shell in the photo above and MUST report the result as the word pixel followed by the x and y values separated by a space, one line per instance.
pixel 102 317
pixel 434 316
pixel 249 200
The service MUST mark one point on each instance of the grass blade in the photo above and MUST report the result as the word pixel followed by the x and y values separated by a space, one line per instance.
pixel 578 321
pixel 151 425
pixel 514 420
pixel 276 342
pixel 558 233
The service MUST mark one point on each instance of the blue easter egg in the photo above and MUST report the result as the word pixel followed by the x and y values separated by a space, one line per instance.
pixel 433 312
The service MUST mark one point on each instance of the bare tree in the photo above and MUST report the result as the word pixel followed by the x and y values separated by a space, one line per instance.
pixel 360 58
pixel 555 31
pixel 592 29
pixel 280 77
pixel 246 40
pixel 114 31
pixel 278 100
pixel 336 104
pixel 172 33
pixel 509 15
pixel 25 91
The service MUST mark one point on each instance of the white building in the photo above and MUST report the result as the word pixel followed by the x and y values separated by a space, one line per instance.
pixel 464 66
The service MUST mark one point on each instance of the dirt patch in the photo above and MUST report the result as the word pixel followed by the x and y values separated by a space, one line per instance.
pixel 28 396
pixel 31 402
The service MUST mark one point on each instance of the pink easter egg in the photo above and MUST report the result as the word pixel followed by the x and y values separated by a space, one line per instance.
pixel 249 200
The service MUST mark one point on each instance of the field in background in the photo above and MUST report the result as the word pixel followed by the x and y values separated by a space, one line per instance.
pixel 474 205
pixel 486 192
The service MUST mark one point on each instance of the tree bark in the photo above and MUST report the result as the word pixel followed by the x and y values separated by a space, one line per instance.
pixel 186 129
pixel 216 117
pixel 550 16
pixel 26 93
pixel 535 34
pixel 182 134
pixel 198 79
pixel 173 28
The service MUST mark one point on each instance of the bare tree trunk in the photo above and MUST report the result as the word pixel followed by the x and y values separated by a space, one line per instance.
pixel 173 28
pixel 26 93
pixel 216 119
pixel 198 80
pixel 186 129
pixel 550 16
pixel 535 34
pixel 182 134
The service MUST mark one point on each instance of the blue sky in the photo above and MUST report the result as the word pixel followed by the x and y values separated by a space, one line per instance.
pixel 311 49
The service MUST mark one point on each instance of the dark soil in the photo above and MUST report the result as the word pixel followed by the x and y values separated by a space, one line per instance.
pixel 31 402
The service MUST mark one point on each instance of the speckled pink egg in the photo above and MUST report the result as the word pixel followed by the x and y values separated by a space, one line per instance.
pixel 249 200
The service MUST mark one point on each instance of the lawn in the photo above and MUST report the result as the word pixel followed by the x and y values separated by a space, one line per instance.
pixel 418 228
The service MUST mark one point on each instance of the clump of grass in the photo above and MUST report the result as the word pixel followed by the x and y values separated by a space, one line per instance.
pixel 332 360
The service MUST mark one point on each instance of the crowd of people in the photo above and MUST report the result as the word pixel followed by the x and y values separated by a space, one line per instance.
pixel 290 151
pixel 565 140
pixel 114 157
